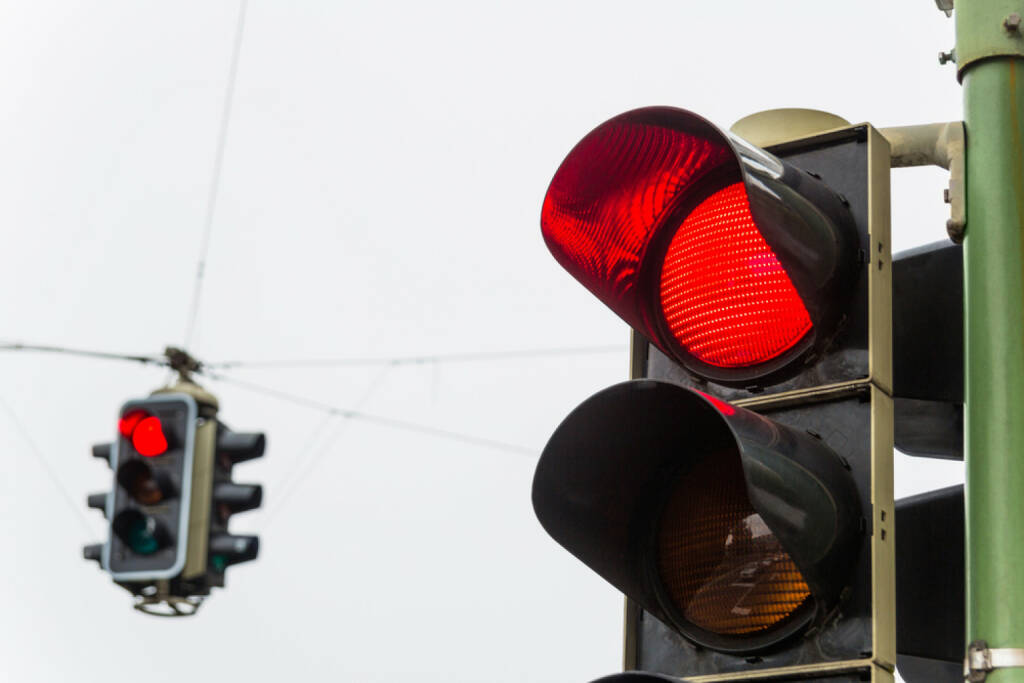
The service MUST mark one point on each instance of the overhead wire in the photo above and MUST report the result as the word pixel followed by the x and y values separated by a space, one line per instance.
pixel 418 360
pixel 303 469
pixel 302 456
pixel 45 464
pixel 350 413
pixel 19 346
pixel 331 410
pixel 218 163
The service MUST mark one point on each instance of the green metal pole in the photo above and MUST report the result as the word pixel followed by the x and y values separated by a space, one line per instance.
pixel 990 59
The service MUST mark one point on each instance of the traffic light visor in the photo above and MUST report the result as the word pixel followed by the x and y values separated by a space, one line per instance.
pixel 713 249
pixel 735 530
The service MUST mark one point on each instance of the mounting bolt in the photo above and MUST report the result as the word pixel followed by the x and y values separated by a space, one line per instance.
pixel 945 57
pixel 1012 22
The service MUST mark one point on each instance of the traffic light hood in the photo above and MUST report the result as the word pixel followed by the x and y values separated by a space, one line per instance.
pixel 729 260
pixel 733 529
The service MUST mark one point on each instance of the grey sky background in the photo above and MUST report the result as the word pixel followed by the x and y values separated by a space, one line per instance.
pixel 380 196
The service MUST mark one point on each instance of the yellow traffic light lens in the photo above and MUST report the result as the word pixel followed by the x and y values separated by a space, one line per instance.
pixel 722 567
pixel 138 479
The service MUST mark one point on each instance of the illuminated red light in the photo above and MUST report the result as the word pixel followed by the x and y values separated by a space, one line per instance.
pixel 148 437
pixel 128 422
pixel 725 296
pixel 610 193
pixel 651 212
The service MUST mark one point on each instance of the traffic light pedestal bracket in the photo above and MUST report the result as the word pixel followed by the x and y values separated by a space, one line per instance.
pixel 935 144
pixel 981 660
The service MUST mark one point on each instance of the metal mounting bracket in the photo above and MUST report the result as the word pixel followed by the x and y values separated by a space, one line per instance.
pixel 156 600
pixel 182 362
pixel 981 660
pixel 935 144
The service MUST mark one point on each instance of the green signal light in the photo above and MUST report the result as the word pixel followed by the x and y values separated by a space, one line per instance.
pixel 139 532
pixel 141 537
pixel 219 562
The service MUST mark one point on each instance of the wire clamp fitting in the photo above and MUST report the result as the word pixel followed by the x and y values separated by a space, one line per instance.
pixel 981 660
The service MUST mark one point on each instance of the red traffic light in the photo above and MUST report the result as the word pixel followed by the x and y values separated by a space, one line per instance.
pixel 729 260
pixel 145 432
pixel 148 437
pixel 758 316
pixel 129 420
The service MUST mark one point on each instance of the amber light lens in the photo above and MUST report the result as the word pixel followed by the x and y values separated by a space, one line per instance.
pixel 137 478
pixel 721 566
pixel 725 296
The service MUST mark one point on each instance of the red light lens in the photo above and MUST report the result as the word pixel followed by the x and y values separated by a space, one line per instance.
pixel 725 296
pixel 612 191
pixel 128 422
pixel 148 437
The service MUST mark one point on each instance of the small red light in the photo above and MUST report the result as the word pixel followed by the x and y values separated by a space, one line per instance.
pixel 128 422
pixel 725 296
pixel 148 437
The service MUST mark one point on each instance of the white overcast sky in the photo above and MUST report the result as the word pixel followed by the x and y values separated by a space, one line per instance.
pixel 380 196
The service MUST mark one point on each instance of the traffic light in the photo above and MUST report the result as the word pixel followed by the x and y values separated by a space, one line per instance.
pixel 928 384
pixel 739 489
pixel 229 498
pixel 148 508
pixel 172 495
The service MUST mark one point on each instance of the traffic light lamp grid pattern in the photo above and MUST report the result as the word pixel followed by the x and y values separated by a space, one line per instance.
pixel 725 296
pixel 724 570
pixel 610 191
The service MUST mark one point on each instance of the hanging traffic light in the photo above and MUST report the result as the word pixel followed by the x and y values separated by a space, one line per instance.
pixel 739 492
pixel 229 498
pixel 172 495
pixel 148 509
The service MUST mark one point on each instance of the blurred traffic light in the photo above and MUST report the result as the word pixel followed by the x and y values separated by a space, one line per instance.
pixel 171 498
pixel 152 460
pixel 229 498
pixel 739 492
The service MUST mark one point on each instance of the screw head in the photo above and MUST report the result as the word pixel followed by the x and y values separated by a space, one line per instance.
pixel 1012 22
pixel 945 57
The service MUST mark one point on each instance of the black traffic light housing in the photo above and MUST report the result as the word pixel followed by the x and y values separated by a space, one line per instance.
pixel 801 433
pixel 703 482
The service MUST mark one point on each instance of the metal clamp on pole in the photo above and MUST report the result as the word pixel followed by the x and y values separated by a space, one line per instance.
pixel 981 660
pixel 935 144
